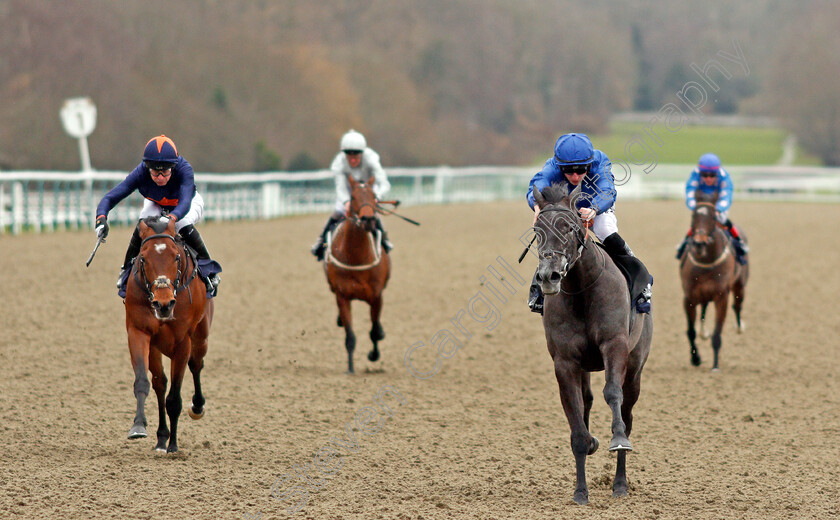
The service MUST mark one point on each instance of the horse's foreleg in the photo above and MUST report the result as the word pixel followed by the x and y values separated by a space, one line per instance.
pixel 138 349
pixel 720 318
pixel 377 333
pixel 349 337
pixel 569 380
pixel 691 316
pixel 173 400
pixel 704 332
pixel 159 384
pixel 615 353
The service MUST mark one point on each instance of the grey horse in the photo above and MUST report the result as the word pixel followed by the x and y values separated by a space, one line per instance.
pixel 590 325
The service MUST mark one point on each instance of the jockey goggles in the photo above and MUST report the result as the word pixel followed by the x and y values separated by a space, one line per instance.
pixel 158 165
pixel 708 173
pixel 575 169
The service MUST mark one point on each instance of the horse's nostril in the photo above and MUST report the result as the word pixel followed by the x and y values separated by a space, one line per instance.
pixel 538 277
pixel 555 277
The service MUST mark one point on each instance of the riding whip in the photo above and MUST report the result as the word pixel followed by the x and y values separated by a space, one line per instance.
pixel 99 241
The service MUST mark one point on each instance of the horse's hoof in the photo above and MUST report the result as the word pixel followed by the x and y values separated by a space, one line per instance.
pixel 160 451
pixel 350 373
pixel 338 322
pixel 581 498
pixel 742 327
pixel 695 360
pixel 715 369
pixel 620 443
pixel 172 449
pixel 195 415
pixel 373 355
pixel 137 432
pixel 593 446
pixel 620 491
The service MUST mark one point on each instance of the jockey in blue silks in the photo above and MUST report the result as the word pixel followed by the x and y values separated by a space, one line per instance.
pixel 577 163
pixel 710 178
pixel 166 181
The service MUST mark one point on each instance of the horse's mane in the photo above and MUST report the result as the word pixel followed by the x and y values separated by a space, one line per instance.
pixel 158 224
pixel 556 192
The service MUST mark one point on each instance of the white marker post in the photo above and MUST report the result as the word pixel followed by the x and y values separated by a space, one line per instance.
pixel 78 115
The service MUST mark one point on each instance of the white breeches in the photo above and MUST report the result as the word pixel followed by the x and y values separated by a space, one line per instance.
pixel 193 216
pixel 605 224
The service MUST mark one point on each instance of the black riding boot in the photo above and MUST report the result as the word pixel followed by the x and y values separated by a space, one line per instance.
pixel 535 296
pixel 319 248
pixel 615 245
pixel 386 244
pixel 193 239
pixel 130 254
pixel 741 248
pixel 681 247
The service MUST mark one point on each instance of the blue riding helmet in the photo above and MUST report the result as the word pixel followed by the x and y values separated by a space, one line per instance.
pixel 160 153
pixel 709 163
pixel 573 150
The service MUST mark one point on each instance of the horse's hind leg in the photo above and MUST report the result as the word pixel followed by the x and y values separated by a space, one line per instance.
pixel 196 363
pixel 349 337
pixel 173 400
pixel 159 384
pixel 569 380
pixel 615 357
pixel 691 316
pixel 588 399
pixel 738 292
pixel 138 348
pixel 377 333
pixel 720 318
pixel 632 387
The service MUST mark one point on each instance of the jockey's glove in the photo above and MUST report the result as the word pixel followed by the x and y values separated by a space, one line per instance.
pixel 101 226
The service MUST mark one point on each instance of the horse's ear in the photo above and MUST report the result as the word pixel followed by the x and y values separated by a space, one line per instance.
pixel 538 197
pixel 144 228
pixel 574 196
pixel 170 228
pixel 352 181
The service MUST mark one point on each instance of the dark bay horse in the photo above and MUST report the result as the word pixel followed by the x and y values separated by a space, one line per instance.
pixel 357 267
pixel 166 313
pixel 709 272
pixel 590 325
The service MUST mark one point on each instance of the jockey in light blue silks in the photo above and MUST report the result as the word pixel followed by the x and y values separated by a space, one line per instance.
pixel 577 163
pixel 710 178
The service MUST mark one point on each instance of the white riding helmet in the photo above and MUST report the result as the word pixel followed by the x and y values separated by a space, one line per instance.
pixel 353 140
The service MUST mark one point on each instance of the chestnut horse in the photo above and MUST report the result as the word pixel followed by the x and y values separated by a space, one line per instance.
pixel 357 267
pixel 166 313
pixel 590 325
pixel 709 272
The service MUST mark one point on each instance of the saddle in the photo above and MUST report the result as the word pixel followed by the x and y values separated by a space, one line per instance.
pixel 639 280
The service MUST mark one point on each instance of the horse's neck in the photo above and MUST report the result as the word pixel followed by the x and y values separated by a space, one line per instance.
pixel 351 243
pixel 588 268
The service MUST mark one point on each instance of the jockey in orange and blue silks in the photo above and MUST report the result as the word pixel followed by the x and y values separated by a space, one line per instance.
pixel 166 182
pixel 711 178
pixel 577 163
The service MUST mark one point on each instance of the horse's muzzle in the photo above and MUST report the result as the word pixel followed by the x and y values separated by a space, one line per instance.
pixel 164 311
pixel 549 275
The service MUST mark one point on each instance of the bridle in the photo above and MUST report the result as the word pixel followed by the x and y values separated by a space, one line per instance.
pixel 162 282
pixel 375 243
pixel 582 240
pixel 710 238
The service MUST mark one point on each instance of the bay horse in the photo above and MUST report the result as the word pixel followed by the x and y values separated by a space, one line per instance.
pixel 357 267
pixel 709 273
pixel 166 313
pixel 590 325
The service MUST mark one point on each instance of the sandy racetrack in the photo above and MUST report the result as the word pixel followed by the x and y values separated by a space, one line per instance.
pixel 484 437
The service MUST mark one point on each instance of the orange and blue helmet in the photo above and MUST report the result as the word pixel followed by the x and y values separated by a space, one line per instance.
pixel 160 153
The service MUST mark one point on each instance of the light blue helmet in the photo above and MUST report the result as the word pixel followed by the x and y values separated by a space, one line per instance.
pixel 573 150
pixel 709 163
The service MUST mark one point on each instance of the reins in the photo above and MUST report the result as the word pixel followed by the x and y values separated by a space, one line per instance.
pixel 583 245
